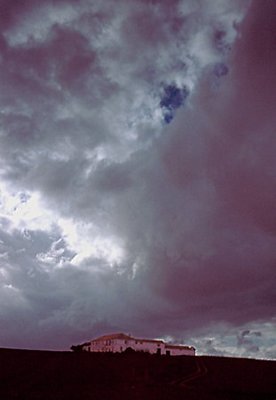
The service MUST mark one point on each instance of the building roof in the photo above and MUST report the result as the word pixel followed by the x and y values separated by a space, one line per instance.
pixel 178 346
pixel 150 340
pixel 122 336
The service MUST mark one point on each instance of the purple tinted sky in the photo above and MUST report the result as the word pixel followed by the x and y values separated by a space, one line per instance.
pixel 138 176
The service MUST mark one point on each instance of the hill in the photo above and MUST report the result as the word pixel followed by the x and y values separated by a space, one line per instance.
pixel 39 375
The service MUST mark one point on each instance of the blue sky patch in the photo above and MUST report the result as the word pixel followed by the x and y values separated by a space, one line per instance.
pixel 172 99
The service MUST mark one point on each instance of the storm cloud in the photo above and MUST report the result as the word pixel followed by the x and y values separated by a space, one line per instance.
pixel 137 166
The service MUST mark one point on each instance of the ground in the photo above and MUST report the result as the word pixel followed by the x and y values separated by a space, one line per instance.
pixel 39 375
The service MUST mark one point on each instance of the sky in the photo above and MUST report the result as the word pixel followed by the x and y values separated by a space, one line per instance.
pixel 138 173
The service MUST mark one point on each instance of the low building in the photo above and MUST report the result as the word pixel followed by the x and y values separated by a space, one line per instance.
pixel 120 342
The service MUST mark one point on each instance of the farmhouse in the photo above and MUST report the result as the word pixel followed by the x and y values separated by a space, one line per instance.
pixel 120 342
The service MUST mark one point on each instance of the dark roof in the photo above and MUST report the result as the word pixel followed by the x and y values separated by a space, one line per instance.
pixel 150 340
pixel 178 346
pixel 122 336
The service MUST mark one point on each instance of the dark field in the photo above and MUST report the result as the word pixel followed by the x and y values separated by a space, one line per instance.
pixel 30 375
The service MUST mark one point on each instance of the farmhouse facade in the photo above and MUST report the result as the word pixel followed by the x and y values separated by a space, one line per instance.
pixel 120 342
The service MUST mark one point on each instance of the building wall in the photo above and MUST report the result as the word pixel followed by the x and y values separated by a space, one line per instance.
pixel 180 352
pixel 120 345
pixel 149 346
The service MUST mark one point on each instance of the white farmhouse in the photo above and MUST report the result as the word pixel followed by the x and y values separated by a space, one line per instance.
pixel 119 342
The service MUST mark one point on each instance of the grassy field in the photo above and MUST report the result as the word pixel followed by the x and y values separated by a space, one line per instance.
pixel 29 375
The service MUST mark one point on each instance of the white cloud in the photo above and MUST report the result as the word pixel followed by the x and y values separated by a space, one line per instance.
pixel 253 340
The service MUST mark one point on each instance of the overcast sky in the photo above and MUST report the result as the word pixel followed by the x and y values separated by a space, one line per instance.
pixel 138 173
